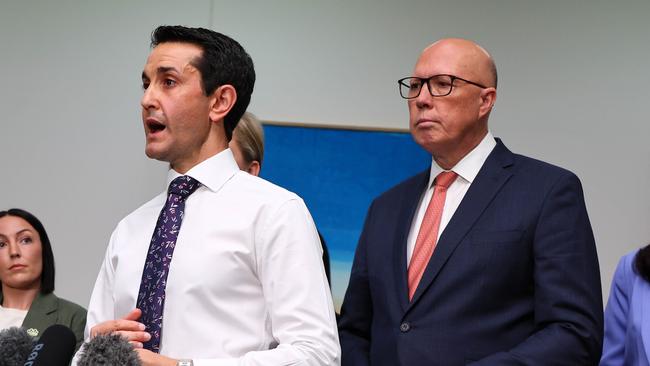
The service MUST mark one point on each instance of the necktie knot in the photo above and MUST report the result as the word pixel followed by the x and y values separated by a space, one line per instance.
pixel 183 186
pixel 445 179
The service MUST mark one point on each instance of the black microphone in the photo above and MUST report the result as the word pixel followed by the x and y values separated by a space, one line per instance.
pixel 54 348
pixel 108 349
pixel 15 345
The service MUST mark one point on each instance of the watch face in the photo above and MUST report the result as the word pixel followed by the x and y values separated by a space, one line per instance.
pixel 185 363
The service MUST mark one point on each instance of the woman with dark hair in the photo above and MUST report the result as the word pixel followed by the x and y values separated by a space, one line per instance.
pixel 627 316
pixel 27 297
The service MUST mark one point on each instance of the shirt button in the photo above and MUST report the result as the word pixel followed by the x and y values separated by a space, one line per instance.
pixel 405 327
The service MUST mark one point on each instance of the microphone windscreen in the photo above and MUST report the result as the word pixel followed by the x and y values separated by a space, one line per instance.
pixel 15 345
pixel 109 350
pixel 54 348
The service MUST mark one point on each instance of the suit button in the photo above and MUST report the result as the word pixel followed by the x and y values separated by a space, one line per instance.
pixel 405 327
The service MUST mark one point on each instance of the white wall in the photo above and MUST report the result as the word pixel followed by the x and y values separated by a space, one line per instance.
pixel 573 90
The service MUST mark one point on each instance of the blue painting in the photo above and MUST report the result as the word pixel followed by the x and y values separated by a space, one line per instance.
pixel 338 172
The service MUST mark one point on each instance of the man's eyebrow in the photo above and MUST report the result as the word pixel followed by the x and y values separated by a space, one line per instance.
pixel 161 70
pixel 167 69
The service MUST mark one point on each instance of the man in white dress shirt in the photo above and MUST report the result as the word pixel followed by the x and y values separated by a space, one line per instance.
pixel 246 284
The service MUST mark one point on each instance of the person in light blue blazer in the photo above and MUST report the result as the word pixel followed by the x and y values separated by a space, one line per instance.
pixel 627 316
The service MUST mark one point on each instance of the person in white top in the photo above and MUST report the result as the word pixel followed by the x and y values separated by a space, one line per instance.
pixel 245 284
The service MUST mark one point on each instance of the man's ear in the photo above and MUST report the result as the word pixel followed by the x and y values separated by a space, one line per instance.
pixel 222 100
pixel 488 98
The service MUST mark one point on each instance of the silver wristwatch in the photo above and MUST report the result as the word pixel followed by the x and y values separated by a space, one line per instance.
pixel 185 363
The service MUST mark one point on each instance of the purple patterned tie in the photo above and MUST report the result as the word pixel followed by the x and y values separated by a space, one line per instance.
pixel 151 297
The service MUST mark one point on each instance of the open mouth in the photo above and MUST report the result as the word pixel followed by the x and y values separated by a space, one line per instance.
pixel 154 126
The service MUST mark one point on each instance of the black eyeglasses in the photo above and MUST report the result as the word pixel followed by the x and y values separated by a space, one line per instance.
pixel 439 85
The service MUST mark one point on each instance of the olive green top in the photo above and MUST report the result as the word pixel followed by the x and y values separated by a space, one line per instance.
pixel 48 310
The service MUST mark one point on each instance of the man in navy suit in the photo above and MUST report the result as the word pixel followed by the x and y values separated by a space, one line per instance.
pixel 502 270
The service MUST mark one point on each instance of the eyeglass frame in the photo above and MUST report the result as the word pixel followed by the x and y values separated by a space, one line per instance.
pixel 426 81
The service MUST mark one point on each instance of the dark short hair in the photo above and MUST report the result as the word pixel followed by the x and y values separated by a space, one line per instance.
pixel 642 262
pixel 224 61
pixel 47 275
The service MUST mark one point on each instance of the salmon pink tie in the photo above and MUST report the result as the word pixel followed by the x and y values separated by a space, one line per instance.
pixel 151 297
pixel 428 235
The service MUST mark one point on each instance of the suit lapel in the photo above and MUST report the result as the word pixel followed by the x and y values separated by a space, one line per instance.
pixel 484 188
pixel 406 215
pixel 42 312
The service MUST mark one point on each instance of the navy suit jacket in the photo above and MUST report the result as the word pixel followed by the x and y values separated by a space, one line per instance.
pixel 514 278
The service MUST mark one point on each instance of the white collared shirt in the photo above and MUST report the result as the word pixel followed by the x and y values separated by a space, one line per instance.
pixel 246 285
pixel 467 169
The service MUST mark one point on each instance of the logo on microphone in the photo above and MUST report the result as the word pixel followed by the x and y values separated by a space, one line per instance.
pixel 32 356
